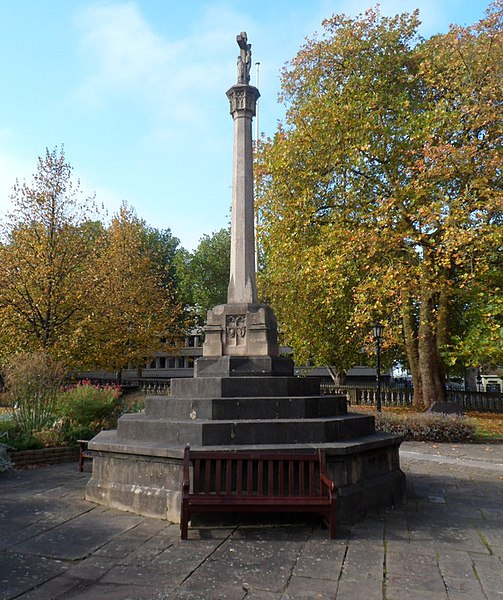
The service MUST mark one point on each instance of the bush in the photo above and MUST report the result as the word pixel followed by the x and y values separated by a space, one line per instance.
pixel 72 413
pixel 85 409
pixel 33 381
pixel 25 441
pixel 431 427
pixel 11 434
pixel 7 425
pixel 133 402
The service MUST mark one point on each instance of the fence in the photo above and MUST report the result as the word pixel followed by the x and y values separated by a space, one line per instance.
pixel 357 394
pixel 476 401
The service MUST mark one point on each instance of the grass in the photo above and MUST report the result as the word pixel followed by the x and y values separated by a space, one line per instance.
pixel 489 425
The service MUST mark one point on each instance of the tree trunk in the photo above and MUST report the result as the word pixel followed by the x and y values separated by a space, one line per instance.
pixel 410 335
pixel 471 379
pixel 442 327
pixel 338 377
pixel 430 364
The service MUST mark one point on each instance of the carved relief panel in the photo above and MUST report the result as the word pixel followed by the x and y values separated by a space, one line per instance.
pixel 235 329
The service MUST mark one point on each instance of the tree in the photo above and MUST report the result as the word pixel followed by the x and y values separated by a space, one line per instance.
pixel 47 248
pixel 203 275
pixel 162 247
pixel 380 197
pixel 130 308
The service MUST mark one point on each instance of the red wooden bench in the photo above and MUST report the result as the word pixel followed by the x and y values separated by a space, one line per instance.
pixel 84 453
pixel 256 481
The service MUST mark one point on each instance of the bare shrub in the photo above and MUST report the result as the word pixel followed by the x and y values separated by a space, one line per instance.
pixel 428 427
pixel 33 381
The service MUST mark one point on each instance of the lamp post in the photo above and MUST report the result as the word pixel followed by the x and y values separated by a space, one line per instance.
pixel 377 330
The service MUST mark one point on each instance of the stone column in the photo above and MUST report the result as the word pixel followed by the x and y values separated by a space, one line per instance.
pixel 242 282
pixel 241 336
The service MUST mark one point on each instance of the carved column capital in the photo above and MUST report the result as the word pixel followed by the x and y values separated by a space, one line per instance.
pixel 243 98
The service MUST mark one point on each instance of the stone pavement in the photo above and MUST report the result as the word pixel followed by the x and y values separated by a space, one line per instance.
pixel 445 543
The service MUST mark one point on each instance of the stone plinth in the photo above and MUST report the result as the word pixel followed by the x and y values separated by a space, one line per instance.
pixel 138 467
pixel 241 330
pixel 145 477
pixel 239 366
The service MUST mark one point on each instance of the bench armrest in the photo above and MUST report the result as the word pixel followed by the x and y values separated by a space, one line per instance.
pixel 324 478
pixel 326 481
pixel 186 471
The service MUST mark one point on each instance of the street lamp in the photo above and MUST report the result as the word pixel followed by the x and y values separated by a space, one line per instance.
pixel 377 330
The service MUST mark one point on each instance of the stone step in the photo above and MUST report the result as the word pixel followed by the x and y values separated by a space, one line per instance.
pixel 244 387
pixel 300 407
pixel 201 432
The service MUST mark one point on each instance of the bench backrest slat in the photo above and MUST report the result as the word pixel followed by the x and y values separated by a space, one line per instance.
pixel 281 477
pixel 248 473
pixel 228 476
pixel 249 476
pixel 270 478
pixel 207 477
pixel 218 474
pixel 197 476
pixel 260 478
pixel 239 474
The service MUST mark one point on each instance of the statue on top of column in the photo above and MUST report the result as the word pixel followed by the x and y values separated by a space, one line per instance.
pixel 244 58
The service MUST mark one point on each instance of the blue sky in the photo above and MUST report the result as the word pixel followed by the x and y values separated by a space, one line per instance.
pixel 135 90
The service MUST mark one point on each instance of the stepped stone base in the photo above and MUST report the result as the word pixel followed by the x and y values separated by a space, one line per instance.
pixel 244 387
pixel 138 467
pixel 146 478
pixel 240 366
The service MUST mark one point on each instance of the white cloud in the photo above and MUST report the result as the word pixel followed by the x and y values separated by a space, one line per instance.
pixel 120 49
pixel 123 54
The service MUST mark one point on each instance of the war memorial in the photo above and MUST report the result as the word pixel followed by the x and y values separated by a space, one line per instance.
pixel 244 395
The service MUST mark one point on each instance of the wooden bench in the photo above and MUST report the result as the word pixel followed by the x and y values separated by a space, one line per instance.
pixel 84 453
pixel 237 481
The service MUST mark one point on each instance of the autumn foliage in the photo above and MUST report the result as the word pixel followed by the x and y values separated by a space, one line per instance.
pixel 90 295
pixel 380 196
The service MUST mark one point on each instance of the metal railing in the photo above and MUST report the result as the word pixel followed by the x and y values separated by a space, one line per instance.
pixel 476 401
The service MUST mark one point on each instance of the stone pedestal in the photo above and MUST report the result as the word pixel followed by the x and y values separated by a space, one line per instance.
pixel 138 467
pixel 241 330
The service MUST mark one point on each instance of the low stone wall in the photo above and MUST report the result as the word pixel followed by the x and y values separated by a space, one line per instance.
pixel 46 456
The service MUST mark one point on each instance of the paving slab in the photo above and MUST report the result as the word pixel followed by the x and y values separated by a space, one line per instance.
pixel 444 543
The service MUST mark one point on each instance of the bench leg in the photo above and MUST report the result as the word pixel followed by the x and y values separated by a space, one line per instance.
pixel 184 522
pixel 331 529
pixel 332 521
